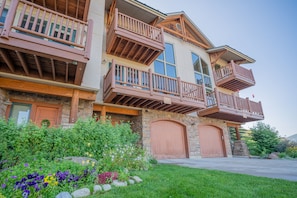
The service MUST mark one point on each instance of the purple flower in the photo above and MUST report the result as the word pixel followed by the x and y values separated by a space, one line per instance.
pixel 26 193
pixel 26 164
pixel 36 187
pixel 45 184
pixel 13 177
pixel 3 185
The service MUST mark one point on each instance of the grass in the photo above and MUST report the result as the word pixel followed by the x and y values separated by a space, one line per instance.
pixel 175 181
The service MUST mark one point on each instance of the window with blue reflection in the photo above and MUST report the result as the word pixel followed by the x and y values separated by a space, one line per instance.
pixel 165 63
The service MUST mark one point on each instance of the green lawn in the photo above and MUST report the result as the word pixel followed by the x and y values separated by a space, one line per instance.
pixel 175 181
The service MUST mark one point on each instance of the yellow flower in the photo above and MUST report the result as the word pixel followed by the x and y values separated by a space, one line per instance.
pixel 89 144
pixel 88 161
pixel 93 164
pixel 83 162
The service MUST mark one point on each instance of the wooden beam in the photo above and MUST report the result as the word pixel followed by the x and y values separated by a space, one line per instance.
pixel 7 60
pixel 116 110
pixel 74 106
pixel 214 57
pixel 38 66
pixel 77 8
pixel 23 62
pixel 66 8
pixel 86 10
pixel 111 12
pixel 79 73
pixel 183 27
pixel 155 21
pixel 66 72
pixel 53 69
pixel 33 87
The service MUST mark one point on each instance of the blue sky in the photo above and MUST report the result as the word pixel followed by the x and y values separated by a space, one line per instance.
pixel 265 30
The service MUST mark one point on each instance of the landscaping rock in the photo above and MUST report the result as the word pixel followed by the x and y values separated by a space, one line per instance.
pixel 64 195
pixel 97 188
pixel 84 192
pixel 131 182
pixel 106 187
pixel 118 183
pixel 273 156
pixel 137 179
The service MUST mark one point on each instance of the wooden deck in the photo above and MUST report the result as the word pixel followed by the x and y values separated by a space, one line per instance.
pixel 134 40
pixel 234 77
pixel 231 108
pixel 131 87
pixel 38 42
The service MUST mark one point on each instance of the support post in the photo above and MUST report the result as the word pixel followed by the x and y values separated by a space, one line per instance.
pixel 74 106
pixel 9 19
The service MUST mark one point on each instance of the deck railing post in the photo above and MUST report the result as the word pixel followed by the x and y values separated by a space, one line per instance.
pixel 9 19
pixel 260 108
pixel 233 68
pixel 217 97
pixel 249 104
pixel 89 39
pixel 113 78
pixel 151 82
pixel 234 101
pixel 180 89
pixel 116 19
pixel 204 95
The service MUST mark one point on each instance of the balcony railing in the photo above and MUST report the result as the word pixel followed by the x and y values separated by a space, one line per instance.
pixel 133 39
pixel 124 80
pixel 230 107
pixel 39 22
pixel 234 77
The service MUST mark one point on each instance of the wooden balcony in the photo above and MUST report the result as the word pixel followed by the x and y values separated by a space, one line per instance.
pixel 144 89
pixel 134 40
pixel 234 77
pixel 231 108
pixel 41 43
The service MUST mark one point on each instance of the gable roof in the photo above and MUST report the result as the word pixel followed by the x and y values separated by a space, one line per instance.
pixel 228 53
pixel 180 25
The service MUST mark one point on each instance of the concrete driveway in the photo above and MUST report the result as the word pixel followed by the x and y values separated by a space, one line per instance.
pixel 276 168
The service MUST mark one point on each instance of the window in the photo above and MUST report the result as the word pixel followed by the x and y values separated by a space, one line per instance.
pixel 20 113
pixel 3 16
pixel 165 63
pixel 62 32
pixel 202 74
pixel 31 24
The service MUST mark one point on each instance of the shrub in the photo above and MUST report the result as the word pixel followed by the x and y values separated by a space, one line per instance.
pixel 87 138
pixel 266 138
pixel 123 157
pixel 292 151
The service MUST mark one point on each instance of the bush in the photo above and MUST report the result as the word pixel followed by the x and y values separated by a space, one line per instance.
pixel 124 157
pixel 265 137
pixel 87 138
pixel 292 151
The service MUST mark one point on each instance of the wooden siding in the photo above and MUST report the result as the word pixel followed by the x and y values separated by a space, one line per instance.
pixel 133 39
pixel 131 87
pixel 231 108
pixel 41 43
pixel 234 77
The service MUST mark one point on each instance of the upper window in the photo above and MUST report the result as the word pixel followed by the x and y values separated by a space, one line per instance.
pixel 3 16
pixel 165 63
pixel 202 74
pixel 20 113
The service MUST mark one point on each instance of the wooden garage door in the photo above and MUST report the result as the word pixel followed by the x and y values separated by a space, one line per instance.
pixel 168 140
pixel 49 113
pixel 211 141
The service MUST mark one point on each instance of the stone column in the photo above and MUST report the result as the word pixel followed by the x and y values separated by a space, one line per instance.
pixel 240 149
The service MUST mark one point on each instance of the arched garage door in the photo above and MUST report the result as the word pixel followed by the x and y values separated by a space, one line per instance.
pixel 168 140
pixel 211 141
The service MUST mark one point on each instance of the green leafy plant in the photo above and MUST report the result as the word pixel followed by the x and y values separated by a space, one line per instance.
pixel 292 151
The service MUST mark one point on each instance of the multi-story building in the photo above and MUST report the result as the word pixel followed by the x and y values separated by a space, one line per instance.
pixel 69 59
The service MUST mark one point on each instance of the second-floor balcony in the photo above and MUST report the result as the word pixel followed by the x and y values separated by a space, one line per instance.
pixel 133 39
pixel 231 108
pixel 234 77
pixel 136 88
pixel 41 43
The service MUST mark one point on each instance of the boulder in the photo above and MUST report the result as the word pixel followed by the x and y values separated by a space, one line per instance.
pixel 273 156
pixel 64 195
pixel 131 182
pixel 106 187
pixel 97 188
pixel 84 192
pixel 118 183
pixel 137 179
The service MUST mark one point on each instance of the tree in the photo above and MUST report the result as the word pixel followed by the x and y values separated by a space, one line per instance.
pixel 265 137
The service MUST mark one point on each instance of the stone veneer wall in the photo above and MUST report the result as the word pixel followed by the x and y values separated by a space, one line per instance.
pixel 3 98
pixel 85 108
pixel 191 123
